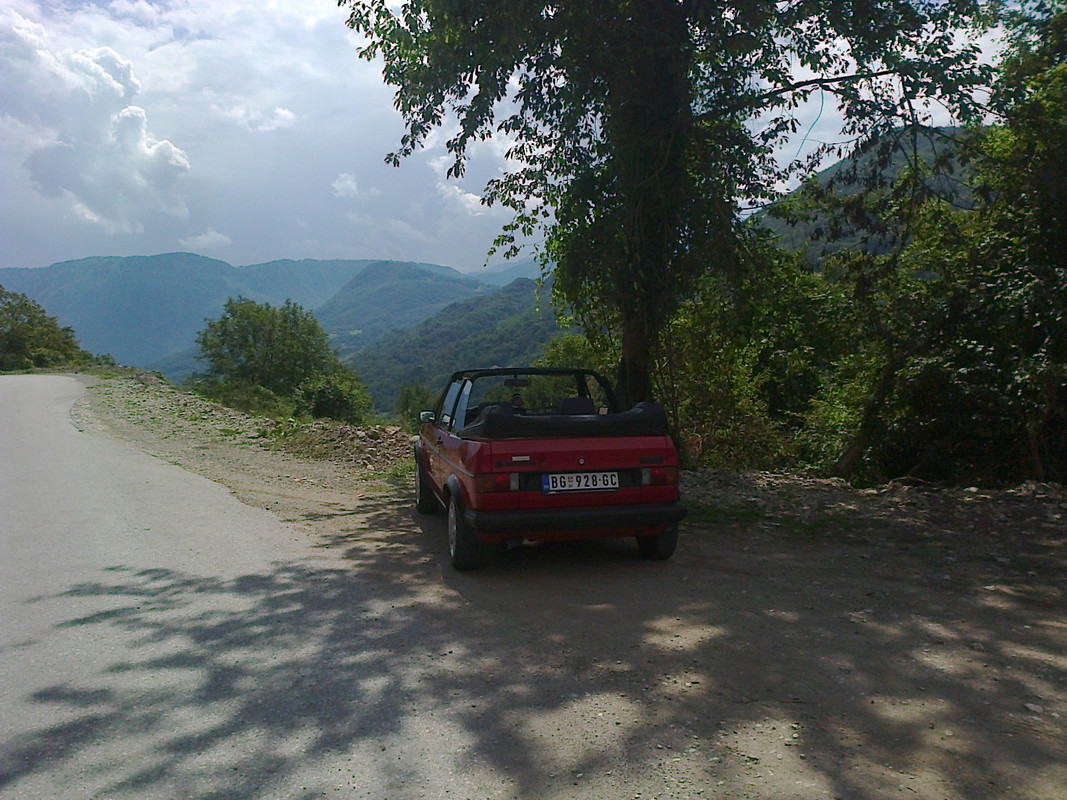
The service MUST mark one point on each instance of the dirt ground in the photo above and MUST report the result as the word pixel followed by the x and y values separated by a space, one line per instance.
pixel 808 640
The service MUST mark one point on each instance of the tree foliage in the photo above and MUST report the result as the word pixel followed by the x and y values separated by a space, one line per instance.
pixel 956 371
pixel 636 124
pixel 745 356
pixel 987 398
pixel 411 401
pixel 271 359
pixel 30 338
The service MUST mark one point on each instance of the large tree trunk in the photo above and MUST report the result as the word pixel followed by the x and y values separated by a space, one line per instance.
pixel 647 124
pixel 635 368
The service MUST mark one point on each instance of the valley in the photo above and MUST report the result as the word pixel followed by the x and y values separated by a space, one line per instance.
pixel 396 323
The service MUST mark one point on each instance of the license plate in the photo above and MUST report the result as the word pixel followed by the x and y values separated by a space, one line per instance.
pixel 580 482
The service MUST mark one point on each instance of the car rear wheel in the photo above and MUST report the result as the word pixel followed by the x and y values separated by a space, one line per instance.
pixel 658 548
pixel 464 548
pixel 425 501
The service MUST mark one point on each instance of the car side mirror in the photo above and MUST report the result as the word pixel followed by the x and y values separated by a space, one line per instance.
pixel 426 416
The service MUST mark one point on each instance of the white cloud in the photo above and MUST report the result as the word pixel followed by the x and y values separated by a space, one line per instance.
pixel 82 140
pixel 211 239
pixel 112 169
pixel 101 72
pixel 256 119
pixel 456 196
pixel 452 191
pixel 141 127
pixel 347 187
pixel 279 119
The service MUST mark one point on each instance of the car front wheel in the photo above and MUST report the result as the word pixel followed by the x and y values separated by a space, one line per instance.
pixel 464 548
pixel 658 548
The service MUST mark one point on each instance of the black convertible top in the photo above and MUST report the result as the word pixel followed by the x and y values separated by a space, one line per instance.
pixel 497 421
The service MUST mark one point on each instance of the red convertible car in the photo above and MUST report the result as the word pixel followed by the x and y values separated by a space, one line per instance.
pixel 545 454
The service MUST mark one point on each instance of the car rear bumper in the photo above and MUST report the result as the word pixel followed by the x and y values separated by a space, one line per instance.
pixel 622 518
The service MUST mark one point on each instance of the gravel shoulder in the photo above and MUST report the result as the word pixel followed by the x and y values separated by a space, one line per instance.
pixel 808 640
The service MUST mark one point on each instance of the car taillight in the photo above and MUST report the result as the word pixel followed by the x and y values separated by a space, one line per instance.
pixel 497 482
pixel 659 476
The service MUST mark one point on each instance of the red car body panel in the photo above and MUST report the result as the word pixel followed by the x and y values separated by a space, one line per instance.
pixel 497 469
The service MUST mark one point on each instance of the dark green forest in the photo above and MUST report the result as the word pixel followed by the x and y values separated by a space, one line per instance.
pixel 509 326
pixel 390 296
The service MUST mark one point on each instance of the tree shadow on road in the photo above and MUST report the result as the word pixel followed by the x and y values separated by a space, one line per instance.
pixel 747 666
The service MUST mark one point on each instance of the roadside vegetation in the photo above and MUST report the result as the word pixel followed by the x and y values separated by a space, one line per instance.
pixel 276 362
pixel 31 339
pixel 929 341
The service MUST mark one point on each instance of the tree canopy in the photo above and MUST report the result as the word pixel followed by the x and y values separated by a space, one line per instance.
pixel 938 349
pixel 278 360
pixel 30 338
pixel 637 126
pixel 987 395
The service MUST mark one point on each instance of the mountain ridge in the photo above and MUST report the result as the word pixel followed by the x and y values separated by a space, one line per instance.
pixel 147 310
pixel 508 326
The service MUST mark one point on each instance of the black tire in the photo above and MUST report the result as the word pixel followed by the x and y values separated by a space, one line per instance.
pixel 464 548
pixel 658 548
pixel 425 501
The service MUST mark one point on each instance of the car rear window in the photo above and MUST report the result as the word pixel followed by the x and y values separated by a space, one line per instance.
pixel 541 394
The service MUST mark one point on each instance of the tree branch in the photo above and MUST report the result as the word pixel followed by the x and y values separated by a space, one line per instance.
pixel 760 99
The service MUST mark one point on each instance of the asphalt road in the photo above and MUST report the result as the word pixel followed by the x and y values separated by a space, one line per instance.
pixel 159 639
pixel 149 640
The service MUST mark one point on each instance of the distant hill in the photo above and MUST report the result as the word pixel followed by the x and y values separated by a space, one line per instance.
pixel 809 236
pixel 388 296
pixel 146 310
pixel 143 308
pixel 178 366
pixel 503 274
pixel 308 282
pixel 509 326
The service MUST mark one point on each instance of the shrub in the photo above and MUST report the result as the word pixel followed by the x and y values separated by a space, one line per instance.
pixel 412 400
pixel 338 395
pixel 277 362
pixel 29 338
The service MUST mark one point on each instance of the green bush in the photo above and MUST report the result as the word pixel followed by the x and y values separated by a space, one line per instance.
pixel 276 362
pixel 835 414
pixel 250 398
pixel 412 400
pixel 338 395
pixel 30 339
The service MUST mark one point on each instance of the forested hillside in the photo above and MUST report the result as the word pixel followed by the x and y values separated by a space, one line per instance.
pixel 389 296
pixel 804 223
pixel 510 326
pixel 146 310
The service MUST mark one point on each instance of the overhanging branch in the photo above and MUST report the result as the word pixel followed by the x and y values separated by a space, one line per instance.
pixel 761 99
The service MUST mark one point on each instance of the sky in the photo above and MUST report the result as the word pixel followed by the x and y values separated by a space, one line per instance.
pixel 243 130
